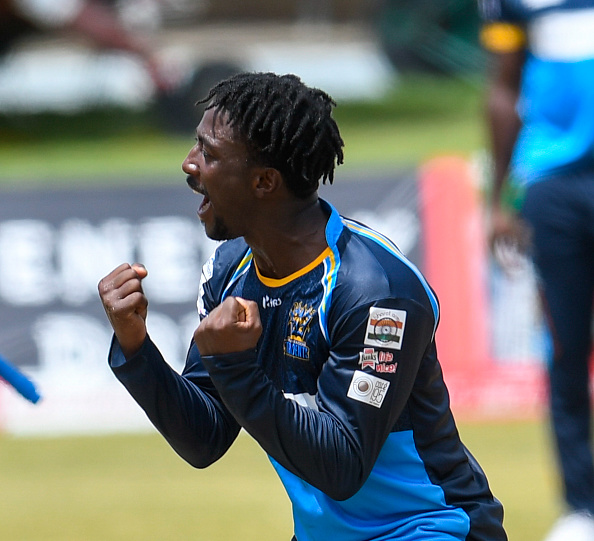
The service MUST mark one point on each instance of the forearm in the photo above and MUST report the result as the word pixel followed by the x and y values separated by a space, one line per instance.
pixel 313 445
pixel 503 120
pixel 504 125
pixel 334 444
pixel 192 419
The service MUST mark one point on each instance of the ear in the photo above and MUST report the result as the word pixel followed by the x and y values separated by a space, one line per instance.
pixel 267 181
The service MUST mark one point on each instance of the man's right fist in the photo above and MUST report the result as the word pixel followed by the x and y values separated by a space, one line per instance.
pixel 126 305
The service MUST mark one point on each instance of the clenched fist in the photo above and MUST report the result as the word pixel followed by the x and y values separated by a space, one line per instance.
pixel 125 305
pixel 231 327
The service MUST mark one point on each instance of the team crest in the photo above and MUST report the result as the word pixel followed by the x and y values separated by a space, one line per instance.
pixel 385 328
pixel 300 318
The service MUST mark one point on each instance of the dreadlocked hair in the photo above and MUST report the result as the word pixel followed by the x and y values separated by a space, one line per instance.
pixel 286 124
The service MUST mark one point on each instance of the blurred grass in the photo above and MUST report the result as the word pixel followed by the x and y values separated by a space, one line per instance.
pixel 134 487
pixel 420 117
pixel 517 458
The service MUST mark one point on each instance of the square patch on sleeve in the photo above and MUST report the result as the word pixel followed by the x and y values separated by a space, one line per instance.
pixel 385 328
pixel 368 389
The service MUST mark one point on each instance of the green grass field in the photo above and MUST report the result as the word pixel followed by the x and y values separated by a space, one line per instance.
pixel 134 487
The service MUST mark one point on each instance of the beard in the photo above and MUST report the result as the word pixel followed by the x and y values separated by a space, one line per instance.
pixel 218 230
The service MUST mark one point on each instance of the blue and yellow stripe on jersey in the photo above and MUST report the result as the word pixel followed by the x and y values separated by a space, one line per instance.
pixel 241 269
pixel 395 251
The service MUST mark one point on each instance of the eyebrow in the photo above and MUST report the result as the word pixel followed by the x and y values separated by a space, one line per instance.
pixel 204 137
pixel 205 140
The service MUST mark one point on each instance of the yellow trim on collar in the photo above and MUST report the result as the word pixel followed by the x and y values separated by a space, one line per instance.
pixel 503 37
pixel 278 282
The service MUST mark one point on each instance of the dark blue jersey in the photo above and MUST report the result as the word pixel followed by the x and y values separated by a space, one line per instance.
pixel 343 391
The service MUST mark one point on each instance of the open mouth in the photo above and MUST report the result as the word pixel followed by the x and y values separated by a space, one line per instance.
pixel 204 206
pixel 199 190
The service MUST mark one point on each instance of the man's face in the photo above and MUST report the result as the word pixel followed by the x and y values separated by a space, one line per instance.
pixel 218 168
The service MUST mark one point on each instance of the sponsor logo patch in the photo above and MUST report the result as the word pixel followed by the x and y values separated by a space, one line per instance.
pixel 368 389
pixel 380 361
pixel 385 328
pixel 368 358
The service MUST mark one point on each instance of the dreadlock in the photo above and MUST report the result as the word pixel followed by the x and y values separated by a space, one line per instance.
pixel 286 125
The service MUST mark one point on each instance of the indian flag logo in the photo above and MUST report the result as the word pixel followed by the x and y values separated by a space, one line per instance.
pixel 385 328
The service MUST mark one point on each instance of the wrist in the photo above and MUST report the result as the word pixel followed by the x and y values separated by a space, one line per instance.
pixel 131 347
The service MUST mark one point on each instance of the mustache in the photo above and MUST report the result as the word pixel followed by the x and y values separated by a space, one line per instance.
pixel 195 185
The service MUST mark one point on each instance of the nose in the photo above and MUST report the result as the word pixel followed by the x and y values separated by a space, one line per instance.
pixel 189 165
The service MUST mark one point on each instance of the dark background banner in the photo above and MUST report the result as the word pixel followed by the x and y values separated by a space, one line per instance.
pixel 55 245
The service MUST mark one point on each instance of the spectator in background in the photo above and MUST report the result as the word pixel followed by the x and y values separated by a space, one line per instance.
pixel 541 118
pixel 92 19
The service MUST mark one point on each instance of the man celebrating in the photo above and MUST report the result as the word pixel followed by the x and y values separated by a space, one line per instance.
pixel 316 336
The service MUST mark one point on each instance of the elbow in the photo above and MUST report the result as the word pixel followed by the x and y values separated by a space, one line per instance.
pixel 343 491
pixel 345 484
pixel 342 495
pixel 346 476
pixel 198 456
pixel 200 463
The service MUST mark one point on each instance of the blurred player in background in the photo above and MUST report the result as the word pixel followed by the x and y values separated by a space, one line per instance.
pixel 94 20
pixel 541 118
pixel 316 336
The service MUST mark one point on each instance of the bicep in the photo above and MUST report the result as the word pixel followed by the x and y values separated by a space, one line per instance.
pixel 373 363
